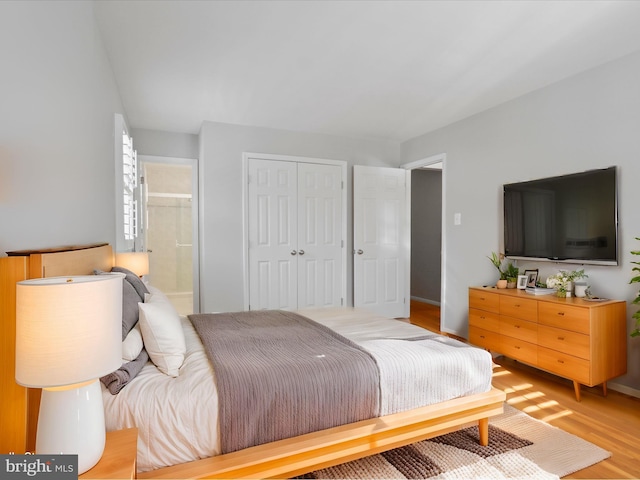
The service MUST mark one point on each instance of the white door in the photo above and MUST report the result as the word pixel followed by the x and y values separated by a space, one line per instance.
pixel 295 235
pixel 319 235
pixel 273 247
pixel 380 239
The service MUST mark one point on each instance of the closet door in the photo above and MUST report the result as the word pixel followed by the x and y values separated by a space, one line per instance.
pixel 319 235
pixel 273 248
pixel 295 235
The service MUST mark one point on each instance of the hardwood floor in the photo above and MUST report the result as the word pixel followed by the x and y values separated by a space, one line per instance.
pixel 611 422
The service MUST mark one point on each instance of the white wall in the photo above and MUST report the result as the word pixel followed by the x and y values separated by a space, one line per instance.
pixel 221 148
pixel 588 121
pixel 57 102
pixel 165 144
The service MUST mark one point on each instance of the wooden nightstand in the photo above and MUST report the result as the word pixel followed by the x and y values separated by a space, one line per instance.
pixel 119 457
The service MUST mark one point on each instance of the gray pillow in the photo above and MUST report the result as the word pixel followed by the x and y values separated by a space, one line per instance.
pixel 134 280
pixel 130 310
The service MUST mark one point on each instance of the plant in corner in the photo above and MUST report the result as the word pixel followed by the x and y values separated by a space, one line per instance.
pixel 636 301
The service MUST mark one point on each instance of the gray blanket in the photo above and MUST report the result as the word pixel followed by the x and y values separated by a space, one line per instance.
pixel 280 375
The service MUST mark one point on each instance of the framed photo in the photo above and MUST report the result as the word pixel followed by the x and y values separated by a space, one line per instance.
pixel 522 282
pixel 532 277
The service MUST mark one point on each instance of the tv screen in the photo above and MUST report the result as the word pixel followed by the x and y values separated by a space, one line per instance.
pixel 566 218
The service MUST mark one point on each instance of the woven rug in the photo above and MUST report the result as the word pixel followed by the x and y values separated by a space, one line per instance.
pixel 520 447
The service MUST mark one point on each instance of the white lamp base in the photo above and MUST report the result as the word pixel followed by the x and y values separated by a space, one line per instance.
pixel 71 421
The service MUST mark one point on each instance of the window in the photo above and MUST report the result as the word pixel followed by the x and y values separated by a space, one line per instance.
pixel 129 184
pixel 127 190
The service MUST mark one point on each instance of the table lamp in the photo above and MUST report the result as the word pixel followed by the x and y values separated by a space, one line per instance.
pixel 137 262
pixel 68 334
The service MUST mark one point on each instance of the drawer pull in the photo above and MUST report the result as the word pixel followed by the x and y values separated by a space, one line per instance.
pixel 561 361
pixel 517 326
pixel 561 314
pixel 482 336
pixel 517 305
pixel 560 338
pixel 482 317
pixel 517 347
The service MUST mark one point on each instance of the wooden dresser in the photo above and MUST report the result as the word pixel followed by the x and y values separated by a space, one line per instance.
pixel 574 338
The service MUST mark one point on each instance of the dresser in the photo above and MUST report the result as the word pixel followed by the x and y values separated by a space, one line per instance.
pixel 578 339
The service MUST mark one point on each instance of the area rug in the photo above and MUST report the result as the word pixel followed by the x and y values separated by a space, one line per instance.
pixel 520 447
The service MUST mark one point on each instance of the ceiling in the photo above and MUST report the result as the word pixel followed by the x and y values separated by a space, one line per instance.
pixel 390 70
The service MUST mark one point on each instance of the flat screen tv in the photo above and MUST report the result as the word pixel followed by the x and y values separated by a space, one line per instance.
pixel 569 218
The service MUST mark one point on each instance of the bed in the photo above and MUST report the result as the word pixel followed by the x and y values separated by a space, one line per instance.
pixel 190 446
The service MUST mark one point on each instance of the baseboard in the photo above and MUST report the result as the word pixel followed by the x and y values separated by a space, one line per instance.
pixel 425 300
pixel 632 392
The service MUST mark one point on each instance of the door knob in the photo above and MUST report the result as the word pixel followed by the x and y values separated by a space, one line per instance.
pixel 360 252
pixel 293 252
pixel 301 252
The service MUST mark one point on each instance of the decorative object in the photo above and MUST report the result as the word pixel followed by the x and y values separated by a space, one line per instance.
pixel 512 273
pixel 532 277
pixel 636 301
pixel 580 289
pixel 137 262
pixel 563 281
pixel 68 334
pixel 522 282
pixel 519 447
pixel 508 274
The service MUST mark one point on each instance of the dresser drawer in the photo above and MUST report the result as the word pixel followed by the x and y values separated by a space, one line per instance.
pixel 520 329
pixel 565 341
pixel 564 365
pixel 562 316
pixel 484 300
pixel 485 320
pixel 518 307
pixel 519 350
pixel 484 338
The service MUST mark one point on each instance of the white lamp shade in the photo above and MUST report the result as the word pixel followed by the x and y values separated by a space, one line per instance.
pixel 68 329
pixel 137 262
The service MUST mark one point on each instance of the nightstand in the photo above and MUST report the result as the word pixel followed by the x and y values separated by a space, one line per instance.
pixel 119 457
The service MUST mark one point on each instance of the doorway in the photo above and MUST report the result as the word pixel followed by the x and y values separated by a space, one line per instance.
pixel 428 259
pixel 169 206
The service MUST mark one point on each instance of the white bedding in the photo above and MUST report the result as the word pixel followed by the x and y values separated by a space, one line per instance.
pixel 177 417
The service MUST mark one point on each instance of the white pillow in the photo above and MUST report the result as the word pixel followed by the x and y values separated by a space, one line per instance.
pixel 162 334
pixel 132 345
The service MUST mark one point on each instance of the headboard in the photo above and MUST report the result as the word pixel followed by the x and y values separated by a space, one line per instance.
pixel 19 405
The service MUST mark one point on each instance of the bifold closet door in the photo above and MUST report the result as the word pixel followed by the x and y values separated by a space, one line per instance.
pixel 295 235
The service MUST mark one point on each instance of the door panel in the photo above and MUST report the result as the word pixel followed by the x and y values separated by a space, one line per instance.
pixel 320 235
pixel 272 214
pixel 380 239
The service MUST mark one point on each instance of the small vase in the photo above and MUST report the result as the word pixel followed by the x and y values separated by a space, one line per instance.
pixel 501 284
pixel 511 284
pixel 561 293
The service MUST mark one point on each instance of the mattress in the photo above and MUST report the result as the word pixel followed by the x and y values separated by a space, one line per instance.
pixel 177 418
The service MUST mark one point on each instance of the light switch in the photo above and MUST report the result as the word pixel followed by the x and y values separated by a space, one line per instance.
pixel 457 218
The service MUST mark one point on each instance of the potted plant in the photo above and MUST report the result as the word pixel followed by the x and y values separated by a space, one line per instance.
pixel 563 281
pixel 636 301
pixel 512 273
pixel 496 259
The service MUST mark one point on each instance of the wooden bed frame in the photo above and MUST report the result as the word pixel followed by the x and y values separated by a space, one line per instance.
pixel 285 458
